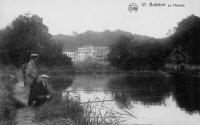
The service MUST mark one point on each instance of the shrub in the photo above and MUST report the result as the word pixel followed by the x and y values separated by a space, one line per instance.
pixel 59 108
pixel 7 103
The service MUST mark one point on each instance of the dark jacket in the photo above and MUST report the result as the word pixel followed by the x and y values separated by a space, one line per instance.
pixel 39 93
pixel 31 94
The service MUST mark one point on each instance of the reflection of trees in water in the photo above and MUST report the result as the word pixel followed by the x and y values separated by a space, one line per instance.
pixel 122 100
pixel 190 86
pixel 150 90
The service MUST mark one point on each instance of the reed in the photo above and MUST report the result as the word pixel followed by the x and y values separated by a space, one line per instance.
pixel 58 108
pixel 71 111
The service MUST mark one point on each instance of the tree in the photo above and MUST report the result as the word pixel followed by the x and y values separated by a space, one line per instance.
pixel 27 34
pixel 128 54
pixel 120 54
pixel 187 37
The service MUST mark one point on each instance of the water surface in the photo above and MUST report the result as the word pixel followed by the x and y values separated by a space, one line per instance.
pixel 153 99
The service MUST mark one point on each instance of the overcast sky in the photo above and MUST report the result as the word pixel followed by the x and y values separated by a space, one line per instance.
pixel 66 16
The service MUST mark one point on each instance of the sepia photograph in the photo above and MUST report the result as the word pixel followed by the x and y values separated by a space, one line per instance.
pixel 99 62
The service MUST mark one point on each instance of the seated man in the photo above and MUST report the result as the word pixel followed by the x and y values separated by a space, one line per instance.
pixel 40 91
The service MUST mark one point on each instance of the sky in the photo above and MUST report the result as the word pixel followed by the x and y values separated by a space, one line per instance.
pixel 67 16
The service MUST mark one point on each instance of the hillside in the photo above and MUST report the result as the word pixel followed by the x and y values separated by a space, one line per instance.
pixel 106 38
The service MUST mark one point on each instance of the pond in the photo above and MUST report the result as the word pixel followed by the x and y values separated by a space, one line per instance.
pixel 152 99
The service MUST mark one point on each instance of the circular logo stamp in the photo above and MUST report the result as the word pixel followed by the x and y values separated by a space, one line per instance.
pixel 132 7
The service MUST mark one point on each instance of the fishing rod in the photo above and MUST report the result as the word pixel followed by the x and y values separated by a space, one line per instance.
pixel 137 97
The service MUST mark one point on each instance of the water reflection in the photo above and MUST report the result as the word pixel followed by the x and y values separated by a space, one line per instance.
pixel 150 90
pixel 153 90
pixel 155 99
pixel 190 88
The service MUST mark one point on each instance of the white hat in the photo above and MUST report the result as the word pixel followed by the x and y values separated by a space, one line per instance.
pixel 44 76
pixel 34 55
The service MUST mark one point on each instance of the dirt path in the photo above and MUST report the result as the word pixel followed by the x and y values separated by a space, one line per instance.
pixel 25 115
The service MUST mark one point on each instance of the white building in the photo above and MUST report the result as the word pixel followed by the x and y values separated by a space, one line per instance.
pixel 89 53
pixel 100 54
pixel 84 53
pixel 72 55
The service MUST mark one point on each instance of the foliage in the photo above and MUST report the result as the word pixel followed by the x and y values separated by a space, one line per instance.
pixel 128 54
pixel 58 108
pixel 187 37
pixel 7 103
pixel 121 53
pixel 25 35
pixel 105 38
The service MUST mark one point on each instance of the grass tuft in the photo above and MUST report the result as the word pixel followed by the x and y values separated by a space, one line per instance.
pixel 58 107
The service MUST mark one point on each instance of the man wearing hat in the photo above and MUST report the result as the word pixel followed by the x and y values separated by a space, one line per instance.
pixel 41 92
pixel 31 76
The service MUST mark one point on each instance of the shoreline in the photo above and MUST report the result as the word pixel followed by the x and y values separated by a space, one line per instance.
pixel 71 71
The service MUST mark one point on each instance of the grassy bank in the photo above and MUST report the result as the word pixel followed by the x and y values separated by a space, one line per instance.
pixel 61 111
pixel 7 102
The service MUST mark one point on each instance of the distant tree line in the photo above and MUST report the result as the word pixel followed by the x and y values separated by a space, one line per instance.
pixel 25 35
pixel 104 38
pixel 128 53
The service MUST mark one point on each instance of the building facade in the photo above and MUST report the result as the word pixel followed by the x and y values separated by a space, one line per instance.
pixel 90 54
pixel 72 55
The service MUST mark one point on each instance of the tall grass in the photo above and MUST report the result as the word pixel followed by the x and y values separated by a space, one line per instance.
pixel 65 111
pixel 7 102
pixel 98 113
pixel 58 108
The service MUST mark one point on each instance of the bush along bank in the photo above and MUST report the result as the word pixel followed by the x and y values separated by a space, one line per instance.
pixel 7 102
